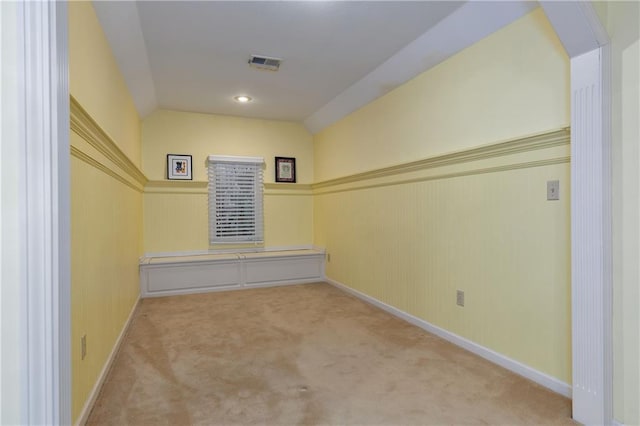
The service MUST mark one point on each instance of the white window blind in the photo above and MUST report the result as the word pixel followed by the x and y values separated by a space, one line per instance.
pixel 235 199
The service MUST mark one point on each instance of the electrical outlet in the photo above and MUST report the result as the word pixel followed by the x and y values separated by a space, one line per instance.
pixel 83 343
pixel 460 298
pixel 553 190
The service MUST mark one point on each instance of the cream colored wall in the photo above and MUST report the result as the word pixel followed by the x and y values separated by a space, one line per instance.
pixel 175 213
pixel 106 218
pixel 200 135
pixel 96 81
pixel 476 97
pixel 623 25
pixel 106 201
pixel 485 228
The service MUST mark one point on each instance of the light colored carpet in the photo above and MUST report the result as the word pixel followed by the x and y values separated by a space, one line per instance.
pixel 307 354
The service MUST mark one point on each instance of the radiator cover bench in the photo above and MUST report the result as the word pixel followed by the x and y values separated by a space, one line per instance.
pixel 164 276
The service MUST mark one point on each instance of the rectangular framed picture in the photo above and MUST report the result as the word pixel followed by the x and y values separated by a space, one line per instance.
pixel 285 169
pixel 179 167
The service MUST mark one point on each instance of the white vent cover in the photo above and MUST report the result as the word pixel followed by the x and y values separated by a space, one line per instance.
pixel 265 62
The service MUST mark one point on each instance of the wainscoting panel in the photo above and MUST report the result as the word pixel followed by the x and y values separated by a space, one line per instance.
pixel 190 277
pixel 475 221
pixel 164 276
pixel 266 270
pixel 106 242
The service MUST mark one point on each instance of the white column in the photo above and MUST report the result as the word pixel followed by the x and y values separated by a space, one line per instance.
pixel 35 214
pixel 591 241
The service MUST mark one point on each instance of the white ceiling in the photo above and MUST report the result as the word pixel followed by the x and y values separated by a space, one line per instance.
pixel 337 55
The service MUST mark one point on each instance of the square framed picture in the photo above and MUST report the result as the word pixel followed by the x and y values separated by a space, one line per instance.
pixel 179 167
pixel 285 169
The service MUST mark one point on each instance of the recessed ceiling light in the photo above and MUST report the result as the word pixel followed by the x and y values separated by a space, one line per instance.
pixel 243 99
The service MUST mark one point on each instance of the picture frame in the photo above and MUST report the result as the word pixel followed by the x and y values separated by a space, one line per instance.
pixel 179 167
pixel 286 169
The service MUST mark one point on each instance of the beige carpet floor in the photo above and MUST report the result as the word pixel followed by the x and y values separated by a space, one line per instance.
pixel 308 354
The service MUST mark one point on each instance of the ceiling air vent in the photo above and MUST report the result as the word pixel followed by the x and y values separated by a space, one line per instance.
pixel 265 62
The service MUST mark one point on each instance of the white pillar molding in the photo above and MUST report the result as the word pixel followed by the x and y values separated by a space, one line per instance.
pixel 42 161
pixel 591 242
pixel 586 42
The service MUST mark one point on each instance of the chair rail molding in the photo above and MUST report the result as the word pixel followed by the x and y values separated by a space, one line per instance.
pixel 100 151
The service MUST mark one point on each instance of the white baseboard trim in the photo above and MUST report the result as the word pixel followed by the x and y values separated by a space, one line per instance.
pixel 86 410
pixel 227 251
pixel 614 422
pixel 512 365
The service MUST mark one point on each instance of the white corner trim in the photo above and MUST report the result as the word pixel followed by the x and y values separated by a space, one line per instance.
pixel 479 19
pixel 318 248
pixel 88 406
pixel 576 24
pixel 510 364
pixel 593 21
pixel 42 107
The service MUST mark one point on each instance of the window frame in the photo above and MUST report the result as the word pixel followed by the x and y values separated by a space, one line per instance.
pixel 217 198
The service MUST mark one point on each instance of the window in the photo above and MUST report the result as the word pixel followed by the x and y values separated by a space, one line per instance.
pixel 235 199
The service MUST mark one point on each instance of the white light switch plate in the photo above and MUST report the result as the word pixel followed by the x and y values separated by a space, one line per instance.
pixel 553 190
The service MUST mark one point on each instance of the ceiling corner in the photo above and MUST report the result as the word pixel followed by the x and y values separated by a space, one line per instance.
pixel 121 25
pixel 444 40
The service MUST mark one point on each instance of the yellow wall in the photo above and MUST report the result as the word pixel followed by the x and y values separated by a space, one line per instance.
pixel 476 97
pixel 96 81
pixel 175 213
pixel 622 21
pixel 106 200
pixel 410 240
pixel 481 226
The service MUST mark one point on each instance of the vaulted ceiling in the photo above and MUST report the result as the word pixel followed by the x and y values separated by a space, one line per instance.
pixel 336 55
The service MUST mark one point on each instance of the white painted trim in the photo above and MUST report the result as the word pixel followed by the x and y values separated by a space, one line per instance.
pixel 607 183
pixel 614 422
pixel 11 252
pixel 591 272
pixel 45 205
pixel 510 364
pixel 202 274
pixel 234 159
pixel 60 74
pixel 586 41
pixel 228 251
pixel 233 288
pixel 571 25
pixel 88 406
pixel 2 118
pixel 592 20
pixel 318 248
